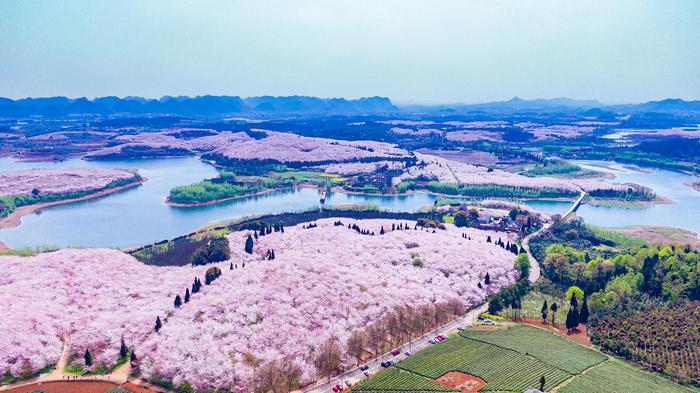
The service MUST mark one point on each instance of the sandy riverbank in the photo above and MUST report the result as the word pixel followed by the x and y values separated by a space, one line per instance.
pixel 14 219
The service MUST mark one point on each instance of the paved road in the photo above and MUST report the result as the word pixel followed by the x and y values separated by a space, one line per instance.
pixel 355 375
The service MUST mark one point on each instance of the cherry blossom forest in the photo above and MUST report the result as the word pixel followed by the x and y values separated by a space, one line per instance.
pixel 326 279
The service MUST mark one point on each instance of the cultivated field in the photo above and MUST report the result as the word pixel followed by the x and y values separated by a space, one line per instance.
pixel 540 344
pixel 513 360
pixel 395 379
pixel 503 369
pixel 619 377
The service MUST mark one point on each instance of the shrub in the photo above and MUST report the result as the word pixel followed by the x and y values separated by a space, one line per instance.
pixel 212 274
pixel 216 250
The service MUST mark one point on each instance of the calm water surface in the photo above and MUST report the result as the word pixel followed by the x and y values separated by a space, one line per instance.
pixel 685 213
pixel 138 216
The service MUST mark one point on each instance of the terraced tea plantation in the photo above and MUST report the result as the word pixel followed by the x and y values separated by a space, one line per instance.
pixel 514 360
pixel 395 379
pixel 503 369
pixel 619 377
pixel 547 347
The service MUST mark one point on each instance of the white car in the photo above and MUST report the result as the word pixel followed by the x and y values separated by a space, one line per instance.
pixel 366 372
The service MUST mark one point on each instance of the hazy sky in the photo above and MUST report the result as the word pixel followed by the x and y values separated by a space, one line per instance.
pixel 418 51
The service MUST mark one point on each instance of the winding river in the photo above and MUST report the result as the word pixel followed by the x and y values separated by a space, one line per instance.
pixel 684 213
pixel 138 216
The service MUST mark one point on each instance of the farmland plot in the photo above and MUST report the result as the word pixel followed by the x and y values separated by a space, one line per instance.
pixel 503 369
pixel 542 345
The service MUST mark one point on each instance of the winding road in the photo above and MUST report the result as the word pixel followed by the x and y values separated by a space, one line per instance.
pixel 356 375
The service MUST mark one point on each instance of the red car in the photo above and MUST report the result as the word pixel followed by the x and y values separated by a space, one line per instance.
pixel 396 351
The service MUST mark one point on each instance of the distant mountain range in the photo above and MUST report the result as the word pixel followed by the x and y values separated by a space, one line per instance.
pixel 592 107
pixel 192 106
pixel 305 105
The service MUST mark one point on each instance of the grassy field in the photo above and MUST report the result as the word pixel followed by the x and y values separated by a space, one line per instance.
pixel 544 346
pixel 617 376
pixel 394 379
pixel 503 369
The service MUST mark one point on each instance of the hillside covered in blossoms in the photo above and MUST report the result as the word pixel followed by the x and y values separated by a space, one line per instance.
pixel 324 280
pixel 60 181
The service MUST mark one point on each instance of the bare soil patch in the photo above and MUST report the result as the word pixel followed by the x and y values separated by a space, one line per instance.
pixel 136 388
pixel 65 387
pixel 580 335
pixel 466 383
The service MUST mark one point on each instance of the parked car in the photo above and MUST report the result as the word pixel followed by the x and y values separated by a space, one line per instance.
pixel 432 341
pixel 348 384
pixel 396 351
pixel 480 318
pixel 366 372
pixel 460 328
pixel 488 322
pixel 335 389
pixel 386 364
pixel 408 353
pixel 340 388
pixel 364 368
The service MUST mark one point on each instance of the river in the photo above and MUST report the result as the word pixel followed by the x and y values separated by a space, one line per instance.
pixel 684 213
pixel 138 216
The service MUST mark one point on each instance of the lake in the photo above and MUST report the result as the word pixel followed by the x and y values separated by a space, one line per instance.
pixel 138 216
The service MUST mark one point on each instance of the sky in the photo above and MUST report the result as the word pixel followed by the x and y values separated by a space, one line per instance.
pixel 411 51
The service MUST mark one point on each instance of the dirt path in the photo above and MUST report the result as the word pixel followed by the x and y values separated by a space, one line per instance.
pixel 117 377
pixel 568 381
pixel 14 219
pixel 57 373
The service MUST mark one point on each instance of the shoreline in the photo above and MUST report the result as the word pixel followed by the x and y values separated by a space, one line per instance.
pixel 695 185
pixel 215 201
pixel 14 219
pixel 634 204
pixel 339 189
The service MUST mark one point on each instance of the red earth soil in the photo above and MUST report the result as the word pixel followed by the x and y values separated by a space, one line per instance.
pixel 580 335
pixel 77 387
pixel 458 380
pixel 136 388
pixel 65 387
